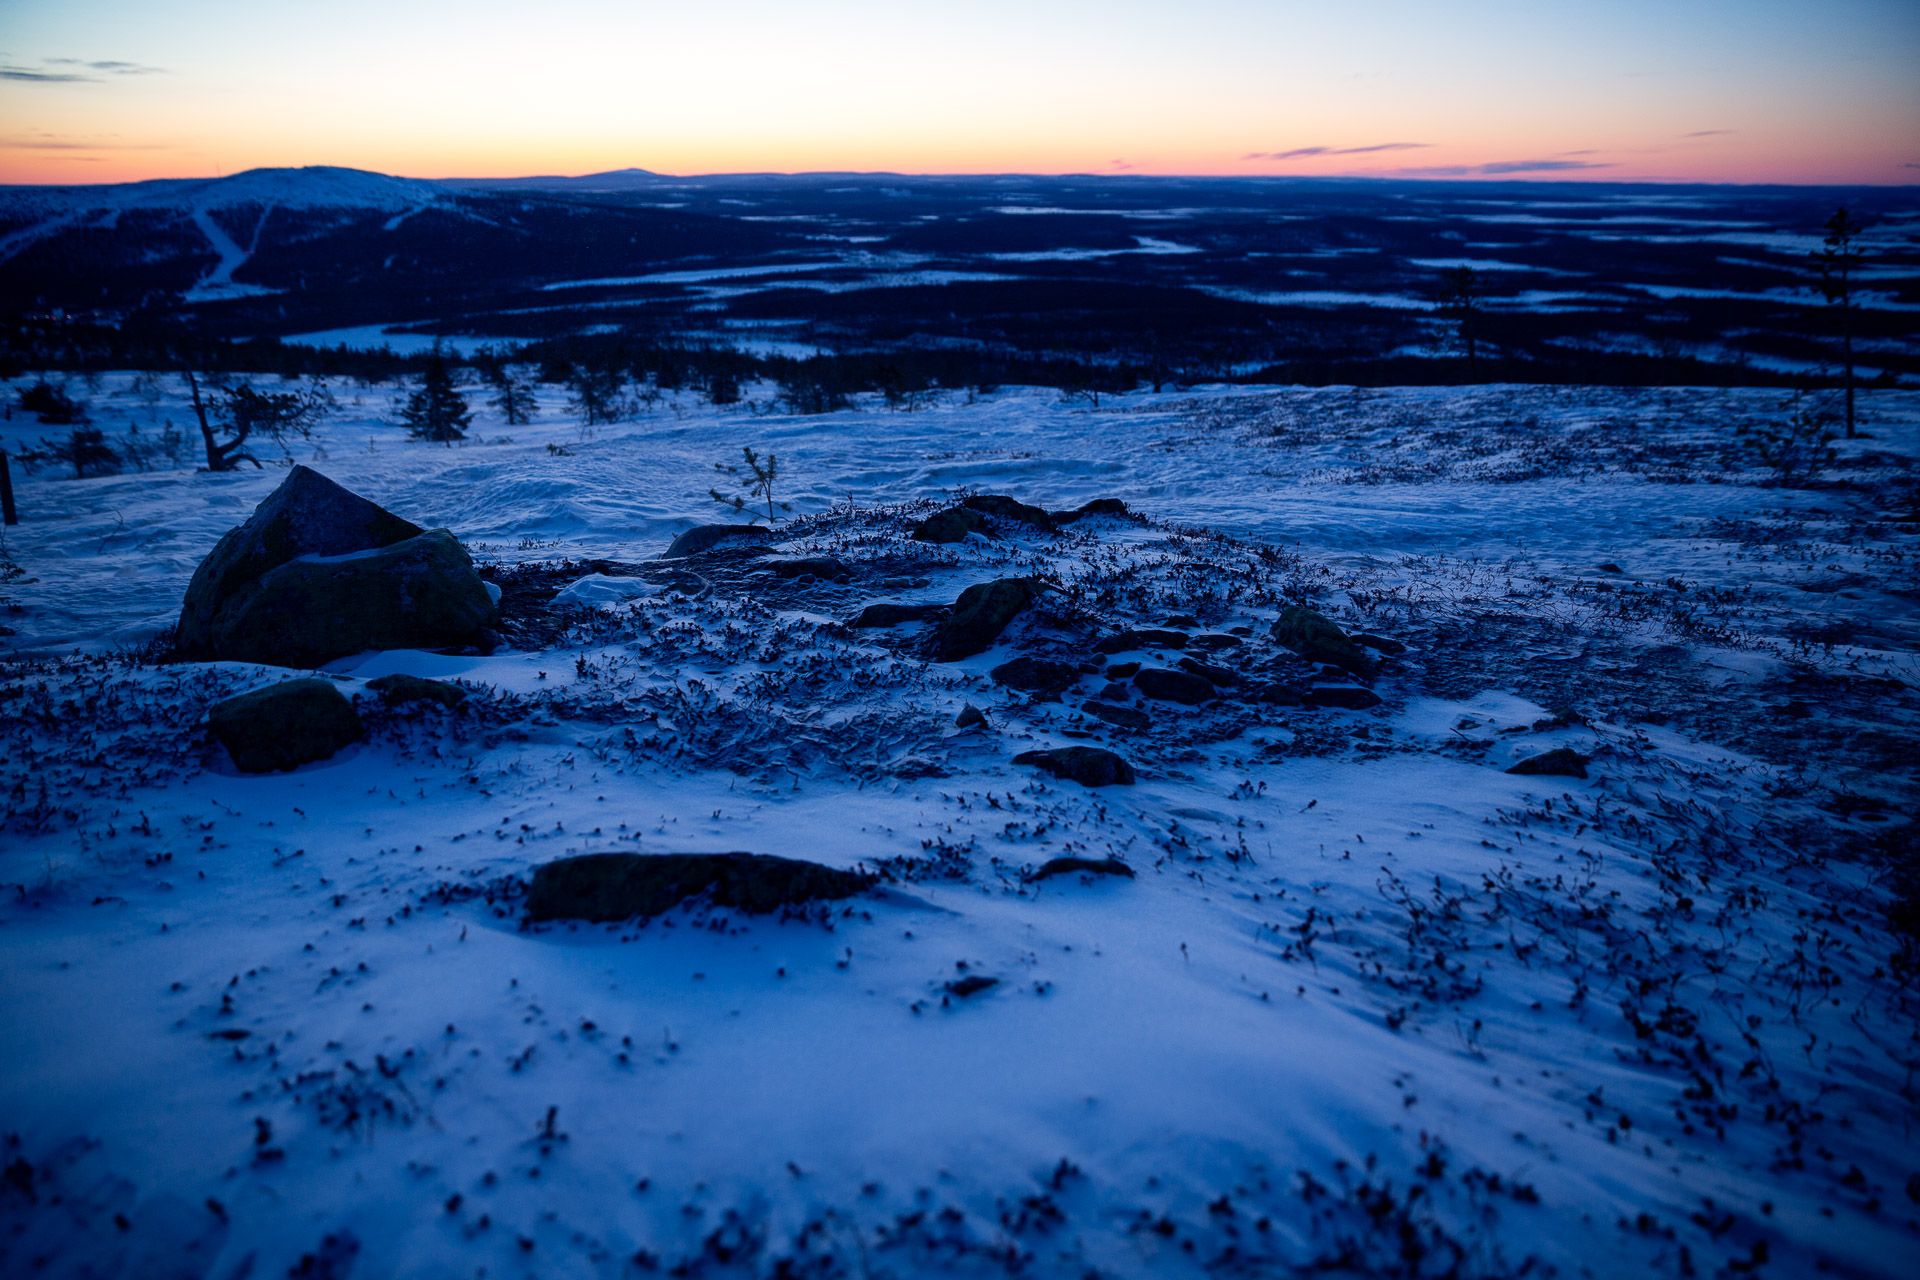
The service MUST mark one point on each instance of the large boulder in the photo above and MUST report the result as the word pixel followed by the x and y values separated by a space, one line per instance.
pixel 308 515
pixel 617 886
pixel 317 573
pixel 979 616
pixel 1561 762
pixel 1315 637
pixel 417 594
pixel 285 725
pixel 706 537
pixel 1088 766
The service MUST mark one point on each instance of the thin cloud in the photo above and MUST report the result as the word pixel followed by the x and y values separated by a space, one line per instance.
pixel 1301 152
pixel 61 144
pixel 1500 167
pixel 1706 133
pixel 50 71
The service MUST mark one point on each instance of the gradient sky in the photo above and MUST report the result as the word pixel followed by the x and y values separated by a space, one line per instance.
pixel 1701 90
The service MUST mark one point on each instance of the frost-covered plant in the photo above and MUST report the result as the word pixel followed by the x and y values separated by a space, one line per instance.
pixel 1795 449
pixel 84 449
pixel 52 404
pixel 756 478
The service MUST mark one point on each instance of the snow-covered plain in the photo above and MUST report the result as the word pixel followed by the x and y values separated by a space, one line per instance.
pixel 1370 1002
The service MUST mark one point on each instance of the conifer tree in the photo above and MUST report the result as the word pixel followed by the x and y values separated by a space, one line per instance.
pixel 436 411
pixel 1837 259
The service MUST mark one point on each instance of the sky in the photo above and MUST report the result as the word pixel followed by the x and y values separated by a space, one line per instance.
pixel 1615 90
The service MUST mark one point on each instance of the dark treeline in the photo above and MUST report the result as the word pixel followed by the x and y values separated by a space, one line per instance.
pixel 905 376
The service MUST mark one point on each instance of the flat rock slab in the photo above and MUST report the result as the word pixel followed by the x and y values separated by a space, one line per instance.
pixel 1208 671
pixel 1279 695
pixel 1119 717
pixel 618 886
pixel 1347 697
pixel 979 616
pixel 1083 866
pixel 892 615
pixel 398 689
pixel 285 725
pixel 706 537
pixel 1561 762
pixel 307 515
pixel 1036 675
pixel 1088 766
pixel 1163 685
pixel 1150 638
pixel 808 567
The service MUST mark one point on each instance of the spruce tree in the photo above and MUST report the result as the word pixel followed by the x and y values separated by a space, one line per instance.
pixel 436 411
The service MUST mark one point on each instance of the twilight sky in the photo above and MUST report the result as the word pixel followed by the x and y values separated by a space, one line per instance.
pixel 1704 90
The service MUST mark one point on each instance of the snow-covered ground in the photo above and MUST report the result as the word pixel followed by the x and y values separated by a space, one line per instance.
pixel 1369 1002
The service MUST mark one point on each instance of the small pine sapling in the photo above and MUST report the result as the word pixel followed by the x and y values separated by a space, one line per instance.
pixel 757 478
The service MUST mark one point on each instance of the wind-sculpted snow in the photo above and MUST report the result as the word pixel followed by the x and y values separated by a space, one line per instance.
pixel 1319 989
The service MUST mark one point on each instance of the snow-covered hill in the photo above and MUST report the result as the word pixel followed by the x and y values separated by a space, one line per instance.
pixel 1369 1003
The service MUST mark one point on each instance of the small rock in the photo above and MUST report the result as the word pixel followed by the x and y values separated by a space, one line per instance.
pixel 1207 671
pixel 1116 691
pixel 1119 717
pixel 1122 670
pixel 808 567
pixel 1611 567
pixel 285 725
pixel 404 688
pixel 970 716
pixel 1088 766
pixel 1098 507
pixel 1174 686
pixel 889 615
pixel 1085 866
pixel 971 985
pixel 999 504
pixel 1279 695
pixel 1035 675
pixel 1214 641
pixel 1380 644
pixel 618 886
pixel 1314 637
pixel 706 537
pixel 979 616
pixel 1561 762
pixel 1147 639
pixel 1186 620
pixel 951 525
pixel 1348 697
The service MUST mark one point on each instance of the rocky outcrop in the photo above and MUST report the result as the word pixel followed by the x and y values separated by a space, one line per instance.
pixel 1006 508
pixel 705 537
pixel 618 886
pixel 1098 507
pixel 285 725
pixel 808 567
pixel 1208 671
pixel 1118 717
pixel 418 594
pixel 979 616
pixel 1088 766
pixel 1315 637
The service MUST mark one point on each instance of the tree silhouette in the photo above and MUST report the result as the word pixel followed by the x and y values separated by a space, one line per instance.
pixel 1836 260
pixel 436 411
pixel 242 413
pixel 1460 300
